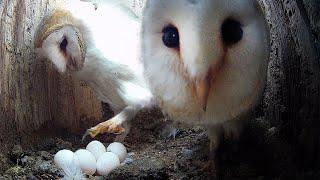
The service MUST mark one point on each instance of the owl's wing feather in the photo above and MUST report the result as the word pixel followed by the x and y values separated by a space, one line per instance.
pixel 113 32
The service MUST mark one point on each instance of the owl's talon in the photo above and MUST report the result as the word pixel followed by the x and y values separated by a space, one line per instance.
pixel 104 127
pixel 85 135
pixel 170 132
pixel 173 134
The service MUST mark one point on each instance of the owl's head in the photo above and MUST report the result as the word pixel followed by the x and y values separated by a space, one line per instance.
pixel 205 54
pixel 60 40
pixel 63 37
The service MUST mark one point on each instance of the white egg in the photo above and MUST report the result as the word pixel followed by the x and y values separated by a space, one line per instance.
pixel 96 148
pixel 86 161
pixel 63 158
pixel 107 162
pixel 118 149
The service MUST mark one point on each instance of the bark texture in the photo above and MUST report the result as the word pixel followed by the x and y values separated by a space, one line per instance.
pixel 292 97
pixel 32 93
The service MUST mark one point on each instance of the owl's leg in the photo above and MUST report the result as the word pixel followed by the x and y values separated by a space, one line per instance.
pixel 232 129
pixel 214 134
pixel 171 130
pixel 115 124
pixel 122 136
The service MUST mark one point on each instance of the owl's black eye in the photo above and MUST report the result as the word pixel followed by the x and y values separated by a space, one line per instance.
pixel 231 31
pixel 63 44
pixel 170 37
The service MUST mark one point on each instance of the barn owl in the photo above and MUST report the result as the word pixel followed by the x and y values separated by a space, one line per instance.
pixel 206 61
pixel 99 45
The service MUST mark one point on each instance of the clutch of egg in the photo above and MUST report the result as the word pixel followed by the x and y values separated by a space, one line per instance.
pixel 95 158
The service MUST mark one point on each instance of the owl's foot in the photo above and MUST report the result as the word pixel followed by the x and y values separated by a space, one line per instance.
pixel 170 132
pixel 110 126
pixel 209 166
pixel 214 139
pixel 232 130
pixel 173 133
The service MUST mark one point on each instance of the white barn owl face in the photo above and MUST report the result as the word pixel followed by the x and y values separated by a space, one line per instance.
pixel 205 58
pixel 62 47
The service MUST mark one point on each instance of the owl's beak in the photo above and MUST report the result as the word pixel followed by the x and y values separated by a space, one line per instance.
pixel 203 86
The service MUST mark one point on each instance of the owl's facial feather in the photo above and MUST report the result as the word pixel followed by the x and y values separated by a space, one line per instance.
pixel 203 85
pixel 222 56
pixel 65 48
